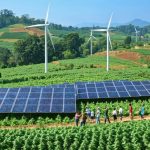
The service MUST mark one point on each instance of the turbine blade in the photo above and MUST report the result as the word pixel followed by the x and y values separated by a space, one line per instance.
pixel 47 14
pixel 37 25
pixel 110 21
pixel 135 29
pixel 89 40
pixel 100 30
pixel 110 41
pixel 50 36
pixel 94 37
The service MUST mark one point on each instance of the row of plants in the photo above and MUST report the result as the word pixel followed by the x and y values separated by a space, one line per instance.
pixel 116 136
pixel 136 105
pixel 40 121
pixel 71 76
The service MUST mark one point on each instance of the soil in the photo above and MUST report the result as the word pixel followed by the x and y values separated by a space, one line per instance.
pixel 134 56
pixel 54 125
pixel 31 31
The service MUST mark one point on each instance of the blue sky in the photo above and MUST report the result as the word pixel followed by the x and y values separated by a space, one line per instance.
pixel 74 12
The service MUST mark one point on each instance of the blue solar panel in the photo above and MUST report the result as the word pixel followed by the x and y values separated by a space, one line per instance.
pixel 18 108
pixel 45 101
pixel 69 108
pixel 103 95
pixel 22 95
pixel 57 108
pixel 5 108
pixel 26 89
pixel 3 90
pixel 62 98
pixel 44 109
pixel 2 95
pixel 11 95
pixel 8 101
pixel 31 109
pixel 113 94
pixel 123 94
pixel 20 101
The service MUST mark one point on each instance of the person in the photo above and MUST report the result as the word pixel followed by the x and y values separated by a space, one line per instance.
pixel 114 113
pixel 92 115
pixel 106 117
pixel 120 113
pixel 83 119
pixel 130 111
pixel 77 116
pixel 142 111
pixel 98 116
pixel 88 112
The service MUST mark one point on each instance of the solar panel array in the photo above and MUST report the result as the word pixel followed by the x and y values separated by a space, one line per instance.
pixel 62 98
pixel 113 89
pixel 37 100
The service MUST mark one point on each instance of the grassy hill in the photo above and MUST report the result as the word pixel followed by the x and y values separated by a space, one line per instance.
pixel 92 68
pixel 13 33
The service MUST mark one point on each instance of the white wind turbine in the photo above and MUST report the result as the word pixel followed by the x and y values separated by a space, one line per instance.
pixel 91 40
pixel 46 32
pixel 136 32
pixel 108 39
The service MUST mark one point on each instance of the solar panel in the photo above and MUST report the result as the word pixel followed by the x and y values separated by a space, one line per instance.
pixel 61 98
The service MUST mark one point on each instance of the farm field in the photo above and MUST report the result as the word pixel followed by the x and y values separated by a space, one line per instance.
pixel 91 68
pixel 130 135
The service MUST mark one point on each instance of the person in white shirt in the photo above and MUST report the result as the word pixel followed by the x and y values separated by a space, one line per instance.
pixel 120 113
pixel 98 116
pixel 92 115
pixel 114 113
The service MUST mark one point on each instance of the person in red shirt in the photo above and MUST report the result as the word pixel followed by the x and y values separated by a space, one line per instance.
pixel 130 111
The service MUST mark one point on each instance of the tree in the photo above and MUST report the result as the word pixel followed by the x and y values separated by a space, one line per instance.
pixel 29 51
pixel 4 56
pixel 72 42
pixel 127 40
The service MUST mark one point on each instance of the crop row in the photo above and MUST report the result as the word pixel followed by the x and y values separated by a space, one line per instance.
pixel 116 136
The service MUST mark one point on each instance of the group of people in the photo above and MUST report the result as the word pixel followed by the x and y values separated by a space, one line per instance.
pixel 95 115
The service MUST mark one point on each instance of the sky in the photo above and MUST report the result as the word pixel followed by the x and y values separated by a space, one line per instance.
pixel 76 12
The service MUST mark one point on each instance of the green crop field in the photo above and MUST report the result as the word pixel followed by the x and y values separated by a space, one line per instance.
pixel 115 136
pixel 14 35
pixel 92 68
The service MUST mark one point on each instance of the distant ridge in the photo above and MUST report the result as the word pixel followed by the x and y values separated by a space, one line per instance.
pixel 139 22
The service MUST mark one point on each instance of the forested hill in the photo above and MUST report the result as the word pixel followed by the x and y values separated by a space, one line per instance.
pixel 8 17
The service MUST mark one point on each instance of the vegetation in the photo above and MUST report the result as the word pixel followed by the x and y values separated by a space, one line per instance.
pixel 132 135
pixel 124 104
pixel 91 68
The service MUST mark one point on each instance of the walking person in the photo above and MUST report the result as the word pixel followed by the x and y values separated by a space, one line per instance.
pixel 83 119
pixel 92 115
pixel 130 111
pixel 120 113
pixel 142 111
pixel 114 113
pixel 98 116
pixel 77 116
pixel 106 116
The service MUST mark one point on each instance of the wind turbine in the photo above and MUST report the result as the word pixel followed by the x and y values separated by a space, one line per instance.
pixel 46 32
pixel 136 32
pixel 108 39
pixel 91 40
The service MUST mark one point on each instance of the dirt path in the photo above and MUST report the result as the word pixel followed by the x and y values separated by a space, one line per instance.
pixel 89 122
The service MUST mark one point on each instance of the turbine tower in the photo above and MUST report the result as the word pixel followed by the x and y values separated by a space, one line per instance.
pixel 136 32
pixel 91 40
pixel 108 39
pixel 46 32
